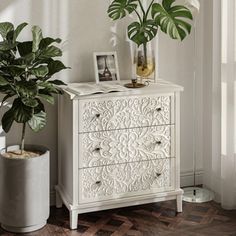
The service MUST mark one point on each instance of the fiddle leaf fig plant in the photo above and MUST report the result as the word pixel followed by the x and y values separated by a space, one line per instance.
pixel 26 70
pixel 167 16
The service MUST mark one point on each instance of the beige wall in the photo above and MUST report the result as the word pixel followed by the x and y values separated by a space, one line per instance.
pixel 84 27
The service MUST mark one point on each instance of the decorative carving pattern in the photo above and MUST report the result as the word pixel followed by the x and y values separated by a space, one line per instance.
pixel 125 179
pixel 103 148
pixel 120 113
pixel 150 143
pixel 120 146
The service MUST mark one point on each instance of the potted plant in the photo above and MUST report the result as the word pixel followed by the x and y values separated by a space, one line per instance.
pixel 26 69
pixel 170 18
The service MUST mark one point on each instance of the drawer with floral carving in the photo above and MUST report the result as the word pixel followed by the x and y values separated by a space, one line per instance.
pixel 129 145
pixel 125 112
pixel 125 180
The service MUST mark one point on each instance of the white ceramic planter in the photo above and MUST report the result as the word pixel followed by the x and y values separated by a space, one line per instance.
pixel 24 188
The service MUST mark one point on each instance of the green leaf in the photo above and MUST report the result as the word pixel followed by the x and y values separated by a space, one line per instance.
pixel 44 84
pixel 172 19
pixel 55 66
pixel 30 102
pixel 120 8
pixel 57 82
pixel 40 71
pixel 7 89
pixel 45 42
pixel 5 45
pixel 47 97
pixel 38 121
pixel 10 36
pixel 27 88
pixel 48 88
pixel 5 27
pixel 22 113
pixel 5 56
pixel 60 91
pixel 25 48
pixel 26 60
pixel 18 30
pixel 5 99
pixel 37 37
pixel 40 107
pixel 167 4
pixel 49 52
pixel 3 81
pixel 142 33
pixel 16 70
pixel 7 120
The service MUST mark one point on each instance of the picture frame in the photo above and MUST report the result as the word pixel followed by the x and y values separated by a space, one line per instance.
pixel 106 67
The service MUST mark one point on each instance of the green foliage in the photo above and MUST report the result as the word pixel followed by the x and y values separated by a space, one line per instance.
pixel 26 70
pixel 172 19
pixel 142 33
pixel 120 8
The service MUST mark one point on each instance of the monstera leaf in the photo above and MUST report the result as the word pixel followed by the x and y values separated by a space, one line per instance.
pixel 120 8
pixel 142 33
pixel 171 19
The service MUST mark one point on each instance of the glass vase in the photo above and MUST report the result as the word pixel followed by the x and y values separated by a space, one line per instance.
pixel 145 63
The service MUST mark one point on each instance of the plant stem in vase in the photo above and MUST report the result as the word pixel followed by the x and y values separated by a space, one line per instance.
pixel 145 62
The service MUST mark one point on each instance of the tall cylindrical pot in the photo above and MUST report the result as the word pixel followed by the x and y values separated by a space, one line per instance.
pixel 24 191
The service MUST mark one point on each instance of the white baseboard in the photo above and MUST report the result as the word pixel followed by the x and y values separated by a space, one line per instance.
pixel 186 179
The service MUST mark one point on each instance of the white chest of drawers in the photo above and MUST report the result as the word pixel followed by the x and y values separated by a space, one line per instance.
pixel 119 149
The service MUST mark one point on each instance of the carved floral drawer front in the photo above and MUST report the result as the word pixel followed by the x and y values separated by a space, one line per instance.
pixel 128 145
pixel 126 112
pixel 124 180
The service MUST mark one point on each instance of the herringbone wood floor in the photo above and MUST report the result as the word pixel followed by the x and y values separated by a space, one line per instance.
pixel 147 220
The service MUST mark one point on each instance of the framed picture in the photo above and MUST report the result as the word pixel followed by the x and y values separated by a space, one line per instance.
pixel 106 67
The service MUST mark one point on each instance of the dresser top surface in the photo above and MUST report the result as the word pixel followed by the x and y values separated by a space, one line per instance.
pixel 161 86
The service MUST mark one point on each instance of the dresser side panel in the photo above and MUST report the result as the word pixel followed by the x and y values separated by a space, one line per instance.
pixel 65 146
pixel 177 139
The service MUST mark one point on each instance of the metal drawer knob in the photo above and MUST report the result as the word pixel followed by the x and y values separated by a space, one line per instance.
pixel 98 115
pixel 98 182
pixel 97 149
pixel 158 175
pixel 159 109
pixel 158 142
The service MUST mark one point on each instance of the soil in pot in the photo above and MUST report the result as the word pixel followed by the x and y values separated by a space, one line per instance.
pixel 18 154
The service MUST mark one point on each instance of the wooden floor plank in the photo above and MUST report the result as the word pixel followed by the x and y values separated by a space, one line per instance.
pixel 158 219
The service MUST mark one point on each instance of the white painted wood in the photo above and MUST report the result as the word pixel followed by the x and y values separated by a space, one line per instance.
pixel 129 145
pixel 179 202
pixel 123 113
pixel 177 138
pixel 128 155
pixel 73 219
pixel 75 159
pixel 121 202
pixel 125 180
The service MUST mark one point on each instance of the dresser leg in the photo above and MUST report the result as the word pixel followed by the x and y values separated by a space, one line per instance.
pixel 179 200
pixel 73 219
pixel 58 200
